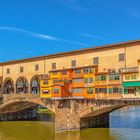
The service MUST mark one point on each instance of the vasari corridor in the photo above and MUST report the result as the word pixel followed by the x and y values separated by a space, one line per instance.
pixel 69 70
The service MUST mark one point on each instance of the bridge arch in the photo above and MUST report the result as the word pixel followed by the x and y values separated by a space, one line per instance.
pixel 35 84
pixel 22 85
pixel 8 86
pixel 8 102
pixel 100 117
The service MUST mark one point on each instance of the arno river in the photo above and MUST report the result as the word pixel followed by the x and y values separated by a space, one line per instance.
pixel 124 125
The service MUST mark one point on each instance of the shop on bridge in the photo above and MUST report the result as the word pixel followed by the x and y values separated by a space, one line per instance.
pixel 22 85
pixel 8 87
pixel 132 88
pixel 131 83
pixel 35 85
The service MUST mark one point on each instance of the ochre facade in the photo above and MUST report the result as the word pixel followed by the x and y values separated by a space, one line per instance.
pixel 27 75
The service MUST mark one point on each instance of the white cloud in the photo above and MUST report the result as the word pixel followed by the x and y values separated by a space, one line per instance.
pixel 40 36
pixel 93 36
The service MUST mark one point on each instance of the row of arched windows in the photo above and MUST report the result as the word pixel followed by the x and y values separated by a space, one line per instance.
pixel 21 85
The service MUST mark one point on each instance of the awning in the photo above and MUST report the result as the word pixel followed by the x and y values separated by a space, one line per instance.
pixel 131 84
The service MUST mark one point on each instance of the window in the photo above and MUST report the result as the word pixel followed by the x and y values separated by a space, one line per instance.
pixel 8 71
pixel 127 77
pixel 56 90
pixel 120 90
pixel 36 67
pixel 96 90
pixel 64 72
pixel 88 70
pixel 55 81
pixel 21 69
pixel 85 70
pixel 77 71
pixel 89 90
pixel 45 91
pixel 53 66
pixel 121 57
pixel 114 77
pixel 45 82
pixel 98 78
pixel 55 73
pixel 90 80
pixel 115 90
pixel 77 90
pixel 86 80
pixel 133 76
pixel 101 90
pixel 96 60
pixel 70 90
pixel 78 80
pixel 110 90
pixel 103 77
pixel 73 63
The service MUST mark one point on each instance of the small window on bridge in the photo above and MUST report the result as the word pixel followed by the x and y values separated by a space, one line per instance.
pixel 64 72
pixel 53 66
pixel 21 69
pixel 56 90
pixel 121 57
pixel 73 63
pixel 36 67
pixel 89 90
pixel 8 71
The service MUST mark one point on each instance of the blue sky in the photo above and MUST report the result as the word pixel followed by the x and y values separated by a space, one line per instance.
pixel 31 28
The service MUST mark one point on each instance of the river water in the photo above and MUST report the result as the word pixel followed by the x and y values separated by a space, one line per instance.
pixel 124 125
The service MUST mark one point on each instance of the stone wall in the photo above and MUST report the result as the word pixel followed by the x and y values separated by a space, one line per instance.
pixel 95 121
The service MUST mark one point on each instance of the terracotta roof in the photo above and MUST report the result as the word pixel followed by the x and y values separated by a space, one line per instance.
pixel 74 52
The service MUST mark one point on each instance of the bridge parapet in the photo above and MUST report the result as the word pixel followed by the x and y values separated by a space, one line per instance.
pixel 21 95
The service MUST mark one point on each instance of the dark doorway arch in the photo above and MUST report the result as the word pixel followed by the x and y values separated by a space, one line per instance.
pixel 21 85
pixel 35 85
pixel 8 86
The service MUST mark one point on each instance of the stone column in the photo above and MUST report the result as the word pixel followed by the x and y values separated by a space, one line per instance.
pixel 14 88
pixel 67 115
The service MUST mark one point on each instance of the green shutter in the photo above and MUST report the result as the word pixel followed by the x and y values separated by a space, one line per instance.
pixel 125 91
pixel 110 90
pixel 120 90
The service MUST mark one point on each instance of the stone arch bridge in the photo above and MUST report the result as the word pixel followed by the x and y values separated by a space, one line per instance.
pixel 70 114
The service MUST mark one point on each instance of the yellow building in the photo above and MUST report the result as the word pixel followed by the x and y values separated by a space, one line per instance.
pixel 23 76
pixel 45 87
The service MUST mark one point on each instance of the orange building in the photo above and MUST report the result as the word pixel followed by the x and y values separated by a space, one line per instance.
pixel 73 82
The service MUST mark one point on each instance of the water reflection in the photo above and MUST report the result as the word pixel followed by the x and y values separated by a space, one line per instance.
pixel 124 125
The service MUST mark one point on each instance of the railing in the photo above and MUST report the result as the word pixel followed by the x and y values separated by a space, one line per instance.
pixel 130 69
pixel 20 95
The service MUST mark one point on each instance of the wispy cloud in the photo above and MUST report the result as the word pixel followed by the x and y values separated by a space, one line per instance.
pixel 87 5
pixel 93 36
pixel 77 5
pixel 131 8
pixel 133 12
pixel 40 36
pixel 29 52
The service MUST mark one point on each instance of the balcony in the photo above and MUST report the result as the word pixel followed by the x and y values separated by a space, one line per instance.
pixel 78 73
pixel 114 79
pixel 54 75
pixel 66 75
pixel 130 70
pixel 100 83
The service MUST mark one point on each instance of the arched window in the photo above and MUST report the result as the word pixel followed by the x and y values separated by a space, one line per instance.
pixel 22 85
pixel 35 85
pixel 8 87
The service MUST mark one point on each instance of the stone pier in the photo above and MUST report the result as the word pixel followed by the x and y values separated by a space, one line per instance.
pixel 67 115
